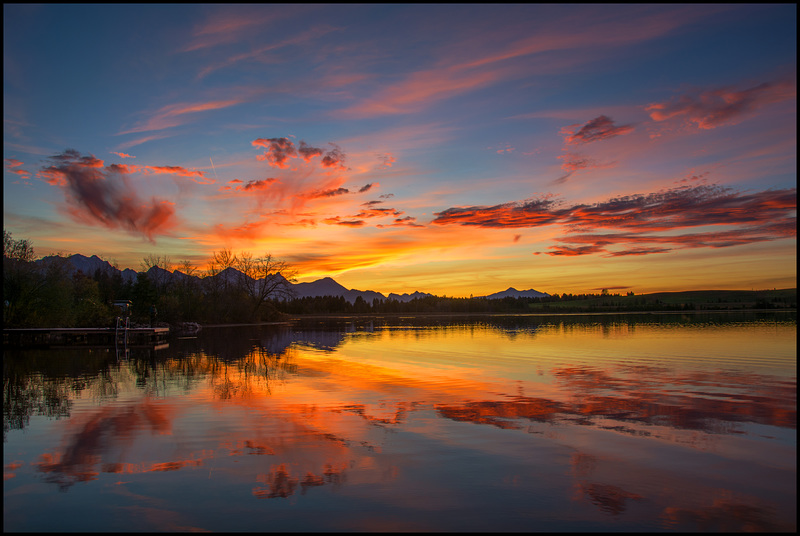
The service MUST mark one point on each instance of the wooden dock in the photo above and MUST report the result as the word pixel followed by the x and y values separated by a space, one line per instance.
pixel 47 337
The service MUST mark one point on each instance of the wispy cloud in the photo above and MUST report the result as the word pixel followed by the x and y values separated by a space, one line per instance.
pixel 140 141
pixel 175 115
pixel 599 128
pixel 720 239
pixel 481 62
pixel 265 53
pixel 713 108
pixel 574 162
pixel 418 90
pixel 196 175
pixel 228 26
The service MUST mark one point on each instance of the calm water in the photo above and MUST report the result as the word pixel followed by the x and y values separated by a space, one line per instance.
pixel 623 423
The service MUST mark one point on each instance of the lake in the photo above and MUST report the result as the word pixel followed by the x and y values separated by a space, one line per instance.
pixel 683 422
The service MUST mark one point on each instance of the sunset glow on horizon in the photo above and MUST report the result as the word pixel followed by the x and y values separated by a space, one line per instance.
pixel 452 149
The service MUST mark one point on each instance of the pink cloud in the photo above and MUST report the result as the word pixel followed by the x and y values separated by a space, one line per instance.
pixel 263 54
pixel 599 128
pixel 122 155
pixel 387 160
pixel 173 115
pixel 226 26
pixel 714 108
pixel 479 61
pixel 573 162
pixel 419 90
pixel 139 141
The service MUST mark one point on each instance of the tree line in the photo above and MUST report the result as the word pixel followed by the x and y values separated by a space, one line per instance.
pixel 259 289
pixel 51 294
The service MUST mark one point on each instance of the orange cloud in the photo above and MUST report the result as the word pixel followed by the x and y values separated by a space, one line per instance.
pixel 767 215
pixel 122 155
pixel 198 176
pixel 95 197
pixel 123 168
pixel 12 165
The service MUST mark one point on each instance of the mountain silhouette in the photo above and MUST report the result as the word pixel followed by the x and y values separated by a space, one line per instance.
pixel 326 286
pixel 514 293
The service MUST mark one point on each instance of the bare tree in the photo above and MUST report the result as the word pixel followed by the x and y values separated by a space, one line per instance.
pixel 161 276
pixel 222 260
pixel 225 258
pixel 21 250
pixel 187 267
pixel 265 278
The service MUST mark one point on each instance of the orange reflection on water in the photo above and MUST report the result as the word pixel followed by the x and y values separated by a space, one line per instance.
pixel 308 420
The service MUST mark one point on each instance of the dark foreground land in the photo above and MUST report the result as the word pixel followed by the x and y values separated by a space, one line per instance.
pixel 704 300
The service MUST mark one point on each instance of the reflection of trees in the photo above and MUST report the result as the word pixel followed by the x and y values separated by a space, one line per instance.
pixel 24 396
pixel 44 382
pixel 279 482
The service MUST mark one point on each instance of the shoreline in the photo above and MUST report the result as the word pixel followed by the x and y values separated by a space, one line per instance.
pixel 335 316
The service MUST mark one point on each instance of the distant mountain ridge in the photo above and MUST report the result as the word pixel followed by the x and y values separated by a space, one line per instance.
pixel 326 286
pixel 511 292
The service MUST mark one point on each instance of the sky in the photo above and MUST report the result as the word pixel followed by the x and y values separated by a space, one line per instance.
pixel 453 149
